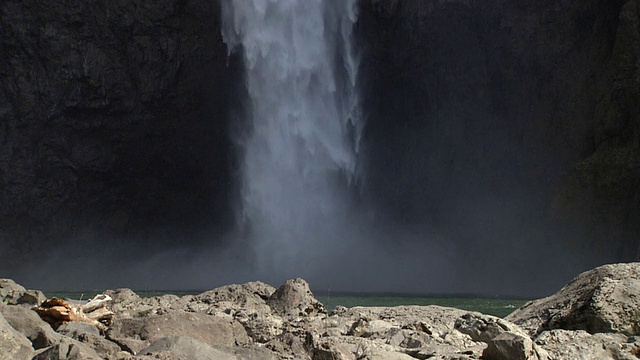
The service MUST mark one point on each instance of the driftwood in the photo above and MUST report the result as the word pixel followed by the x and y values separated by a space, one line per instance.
pixel 95 312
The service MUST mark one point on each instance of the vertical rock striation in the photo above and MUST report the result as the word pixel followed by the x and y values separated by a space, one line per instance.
pixel 113 120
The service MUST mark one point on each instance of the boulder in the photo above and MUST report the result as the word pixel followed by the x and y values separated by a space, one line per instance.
pixel 13 345
pixel 67 349
pixel 604 299
pixel 137 334
pixel 15 294
pixel 90 336
pixel 419 332
pixel 250 293
pixel 383 322
pixel 29 323
pixel 208 329
pixel 184 347
pixel 330 349
pixel 294 298
pixel 580 345
pixel 76 330
pixel 122 296
pixel 510 346
pixel 126 333
pixel 483 327
pixel 260 323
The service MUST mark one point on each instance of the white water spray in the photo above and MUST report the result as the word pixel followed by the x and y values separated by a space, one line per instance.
pixel 300 155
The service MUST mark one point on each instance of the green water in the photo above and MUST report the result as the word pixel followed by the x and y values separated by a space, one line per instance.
pixel 493 306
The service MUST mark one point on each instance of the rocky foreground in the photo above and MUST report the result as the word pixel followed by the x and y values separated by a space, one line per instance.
pixel 596 316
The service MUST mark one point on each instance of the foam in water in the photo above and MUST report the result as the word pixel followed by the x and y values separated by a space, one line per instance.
pixel 300 154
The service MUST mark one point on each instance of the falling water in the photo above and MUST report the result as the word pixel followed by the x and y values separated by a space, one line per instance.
pixel 299 158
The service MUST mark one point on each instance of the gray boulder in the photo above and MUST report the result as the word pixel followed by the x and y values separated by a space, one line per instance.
pixel 483 327
pixel 208 329
pixel 15 294
pixel 510 346
pixel 604 299
pixel 184 347
pixel 137 334
pixel 76 329
pixel 580 345
pixel 90 336
pixel 29 323
pixel 294 298
pixel 13 345
pixel 250 293
pixel 126 333
pixel 67 349
pixel 418 332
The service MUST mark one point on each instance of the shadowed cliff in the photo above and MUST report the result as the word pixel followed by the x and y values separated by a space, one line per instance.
pixel 510 130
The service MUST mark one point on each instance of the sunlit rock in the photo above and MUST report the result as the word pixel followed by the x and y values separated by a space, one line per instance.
pixel 510 346
pixel 15 294
pixel 13 345
pixel 29 323
pixel 294 298
pixel 579 344
pixel 605 299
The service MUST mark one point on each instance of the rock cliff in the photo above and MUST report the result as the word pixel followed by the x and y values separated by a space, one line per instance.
pixel 522 112
pixel 115 118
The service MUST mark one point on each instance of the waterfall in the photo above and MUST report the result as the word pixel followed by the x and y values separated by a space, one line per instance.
pixel 300 155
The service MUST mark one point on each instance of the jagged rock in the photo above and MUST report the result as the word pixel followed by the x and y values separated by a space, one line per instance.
pixel 604 299
pixel 13 345
pixel 382 323
pixel 580 345
pixel 90 336
pixel 29 323
pixel 510 346
pixel 330 349
pixel 483 327
pixel 122 296
pixel 126 333
pixel 410 339
pixel 127 304
pixel 15 294
pixel 237 322
pixel 67 349
pixel 75 330
pixel 251 293
pixel 417 331
pixel 294 298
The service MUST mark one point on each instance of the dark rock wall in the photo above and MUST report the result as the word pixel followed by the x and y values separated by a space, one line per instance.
pixel 476 113
pixel 113 119
pixel 600 196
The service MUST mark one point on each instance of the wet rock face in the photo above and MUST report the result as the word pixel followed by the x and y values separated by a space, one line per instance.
pixel 113 117
pixel 600 194
pixel 506 94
